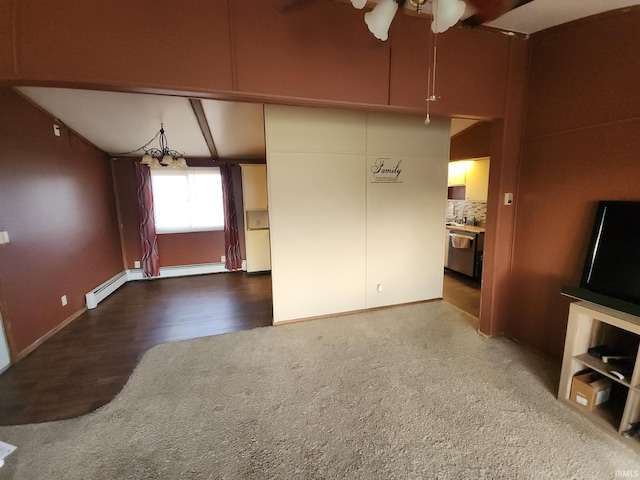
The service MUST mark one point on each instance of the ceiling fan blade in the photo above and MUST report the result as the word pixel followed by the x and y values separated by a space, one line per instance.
pixel 488 10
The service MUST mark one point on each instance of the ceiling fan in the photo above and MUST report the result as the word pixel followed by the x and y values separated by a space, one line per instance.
pixel 446 13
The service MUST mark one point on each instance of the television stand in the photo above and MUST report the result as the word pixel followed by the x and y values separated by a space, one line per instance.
pixel 592 325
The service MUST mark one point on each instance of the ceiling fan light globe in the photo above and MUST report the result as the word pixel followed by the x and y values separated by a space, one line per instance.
pixel 446 14
pixel 359 4
pixel 379 19
pixel 181 162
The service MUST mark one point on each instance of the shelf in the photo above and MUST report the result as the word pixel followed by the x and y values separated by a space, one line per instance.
pixel 589 327
pixel 601 367
pixel 607 418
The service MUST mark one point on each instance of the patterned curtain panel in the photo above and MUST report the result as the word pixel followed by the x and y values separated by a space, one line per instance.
pixel 149 240
pixel 231 237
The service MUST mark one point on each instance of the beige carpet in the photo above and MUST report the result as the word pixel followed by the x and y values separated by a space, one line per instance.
pixel 407 392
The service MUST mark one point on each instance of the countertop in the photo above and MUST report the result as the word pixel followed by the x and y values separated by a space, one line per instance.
pixel 466 228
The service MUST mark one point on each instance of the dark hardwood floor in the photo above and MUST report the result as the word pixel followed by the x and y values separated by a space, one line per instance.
pixel 463 292
pixel 87 363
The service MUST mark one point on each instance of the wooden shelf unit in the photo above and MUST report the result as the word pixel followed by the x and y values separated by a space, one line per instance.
pixel 591 325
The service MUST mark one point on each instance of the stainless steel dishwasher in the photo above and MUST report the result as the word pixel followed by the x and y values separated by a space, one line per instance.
pixel 462 252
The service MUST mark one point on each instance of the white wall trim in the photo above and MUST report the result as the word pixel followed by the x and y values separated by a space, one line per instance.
pixel 101 292
pixel 5 358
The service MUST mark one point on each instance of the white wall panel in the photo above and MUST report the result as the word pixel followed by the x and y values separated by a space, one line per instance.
pixel 407 134
pixel 317 218
pixel 405 221
pixel 295 129
pixel 405 215
pixel 336 232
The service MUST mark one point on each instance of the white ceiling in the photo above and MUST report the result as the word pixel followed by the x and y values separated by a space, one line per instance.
pixel 237 128
pixel 542 14
pixel 123 122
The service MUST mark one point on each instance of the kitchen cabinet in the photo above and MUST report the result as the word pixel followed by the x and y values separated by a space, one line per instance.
pixel 256 214
pixel 477 180
pixel 458 173
pixel 473 175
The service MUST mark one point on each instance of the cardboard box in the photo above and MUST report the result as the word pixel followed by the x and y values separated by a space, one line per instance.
pixel 590 389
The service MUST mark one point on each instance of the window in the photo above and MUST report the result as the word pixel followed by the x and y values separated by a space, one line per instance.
pixel 188 200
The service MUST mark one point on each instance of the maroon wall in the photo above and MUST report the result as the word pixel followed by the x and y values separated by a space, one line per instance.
pixel 320 54
pixel 58 207
pixel 125 43
pixel 581 144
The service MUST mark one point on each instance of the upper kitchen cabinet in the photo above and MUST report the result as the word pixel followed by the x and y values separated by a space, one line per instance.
pixel 457 174
pixel 473 175
pixel 472 142
pixel 478 180
pixel 256 235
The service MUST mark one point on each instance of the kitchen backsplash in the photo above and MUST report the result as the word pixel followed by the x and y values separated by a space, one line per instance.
pixel 458 209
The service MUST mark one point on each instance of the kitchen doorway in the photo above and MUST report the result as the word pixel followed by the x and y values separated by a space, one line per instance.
pixel 466 214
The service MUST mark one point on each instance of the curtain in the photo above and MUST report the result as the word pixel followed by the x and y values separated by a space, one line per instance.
pixel 231 237
pixel 148 238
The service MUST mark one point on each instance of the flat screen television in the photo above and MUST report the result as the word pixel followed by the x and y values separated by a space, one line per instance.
pixel 611 273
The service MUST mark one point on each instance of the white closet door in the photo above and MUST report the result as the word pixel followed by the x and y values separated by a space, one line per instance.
pixel 4 349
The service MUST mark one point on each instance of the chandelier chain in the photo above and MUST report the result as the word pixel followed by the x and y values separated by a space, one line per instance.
pixel 137 149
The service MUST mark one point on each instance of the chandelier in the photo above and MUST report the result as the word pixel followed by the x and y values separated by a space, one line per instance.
pixel 163 156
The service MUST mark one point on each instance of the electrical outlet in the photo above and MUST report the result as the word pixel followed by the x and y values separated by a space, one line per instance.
pixel 223 258
pixel 63 300
pixel 136 264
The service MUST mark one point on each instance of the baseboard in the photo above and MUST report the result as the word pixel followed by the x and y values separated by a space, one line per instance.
pixel 48 335
pixel 352 312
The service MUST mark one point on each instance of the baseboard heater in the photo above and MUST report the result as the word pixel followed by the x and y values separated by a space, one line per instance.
pixel 98 294
pixel 107 288
pixel 181 271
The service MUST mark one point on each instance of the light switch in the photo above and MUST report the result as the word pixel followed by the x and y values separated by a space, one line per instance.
pixel 56 130
pixel 4 237
pixel 508 198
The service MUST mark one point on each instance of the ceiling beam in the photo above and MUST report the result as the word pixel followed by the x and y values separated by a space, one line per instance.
pixel 198 111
